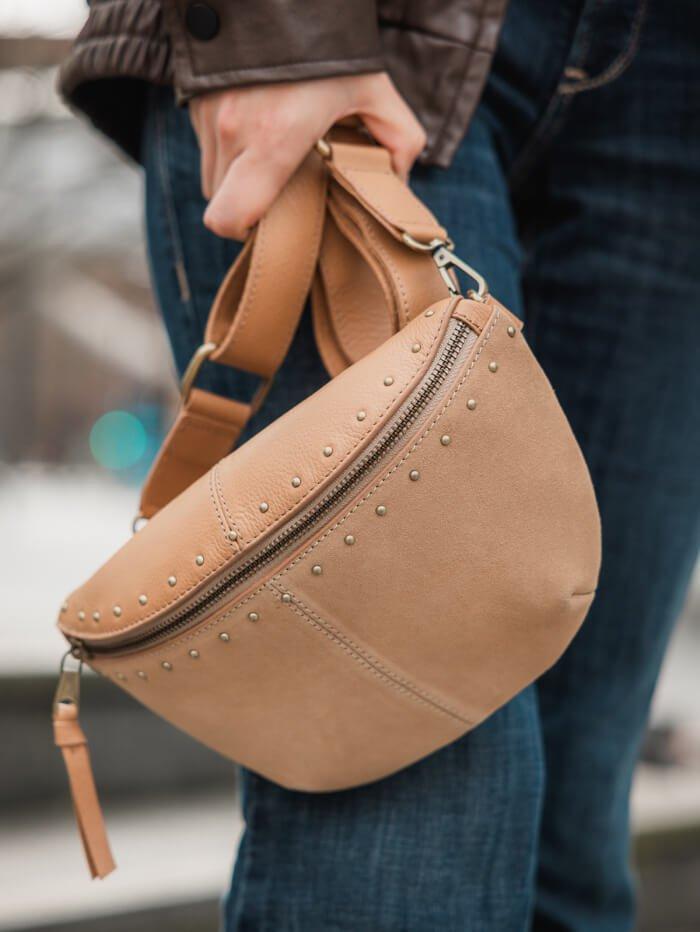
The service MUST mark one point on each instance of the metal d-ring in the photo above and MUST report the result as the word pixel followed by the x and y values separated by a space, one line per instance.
pixel 201 354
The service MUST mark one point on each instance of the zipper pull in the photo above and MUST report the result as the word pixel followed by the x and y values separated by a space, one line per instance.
pixel 70 738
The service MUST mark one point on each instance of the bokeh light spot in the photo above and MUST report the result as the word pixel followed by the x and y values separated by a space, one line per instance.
pixel 118 440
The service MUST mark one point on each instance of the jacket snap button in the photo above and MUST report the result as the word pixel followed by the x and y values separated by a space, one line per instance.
pixel 202 21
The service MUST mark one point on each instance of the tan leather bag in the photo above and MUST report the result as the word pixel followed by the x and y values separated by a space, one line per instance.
pixel 381 568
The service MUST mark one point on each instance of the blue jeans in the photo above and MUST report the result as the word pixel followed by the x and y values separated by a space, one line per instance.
pixel 577 194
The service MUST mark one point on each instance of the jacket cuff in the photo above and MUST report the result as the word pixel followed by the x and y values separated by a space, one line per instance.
pixel 226 43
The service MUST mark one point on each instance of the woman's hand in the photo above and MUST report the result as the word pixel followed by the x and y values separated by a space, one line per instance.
pixel 252 139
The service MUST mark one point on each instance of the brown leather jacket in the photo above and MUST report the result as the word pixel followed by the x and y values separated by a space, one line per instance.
pixel 437 51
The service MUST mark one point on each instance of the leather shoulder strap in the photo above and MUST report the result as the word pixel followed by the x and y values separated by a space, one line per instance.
pixel 251 325
pixel 347 229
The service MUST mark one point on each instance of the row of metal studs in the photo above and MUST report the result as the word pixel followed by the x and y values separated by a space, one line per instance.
pixel 328 450
pixel 445 440
pixel 233 535
pixel 316 569
pixel 143 598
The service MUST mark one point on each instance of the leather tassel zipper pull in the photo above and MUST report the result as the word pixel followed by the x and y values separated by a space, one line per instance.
pixel 70 738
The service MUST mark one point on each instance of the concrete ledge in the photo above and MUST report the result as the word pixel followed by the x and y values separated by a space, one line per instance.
pixel 134 753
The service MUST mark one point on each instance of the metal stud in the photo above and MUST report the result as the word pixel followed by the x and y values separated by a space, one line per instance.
pixel 415 348
pixel 328 451
pixel 166 665
pixel 349 539
pixel 117 611
pixel 286 598
pixel 121 676
pixel 141 675
pixel 224 637
pixel 232 535
pixel 381 510
pixel 264 507
pixel 445 440
pixel 317 569
pixel 389 380
pixel 429 313
pixel 81 616
pixel 253 616
pixel 511 330
pixel 471 404
pixel 296 482
pixel 143 598
pixel 493 367
pixel 96 616
pixel 414 475
pixel 194 654
pixel 172 581
pixel 361 415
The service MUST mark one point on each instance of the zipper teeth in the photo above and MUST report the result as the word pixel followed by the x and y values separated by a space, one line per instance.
pixel 298 528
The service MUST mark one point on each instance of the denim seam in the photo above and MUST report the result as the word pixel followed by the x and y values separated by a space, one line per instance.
pixel 557 108
pixel 554 114
pixel 621 63
pixel 171 216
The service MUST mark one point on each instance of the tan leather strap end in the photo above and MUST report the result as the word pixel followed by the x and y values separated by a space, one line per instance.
pixel 70 738
pixel 206 429
pixel 365 172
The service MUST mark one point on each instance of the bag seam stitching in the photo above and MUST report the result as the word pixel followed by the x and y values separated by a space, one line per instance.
pixel 371 659
pixel 385 677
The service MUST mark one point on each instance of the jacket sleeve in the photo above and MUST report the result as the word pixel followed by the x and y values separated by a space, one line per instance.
pixel 225 43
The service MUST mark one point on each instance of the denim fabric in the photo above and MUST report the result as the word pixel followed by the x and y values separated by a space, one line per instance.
pixel 577 193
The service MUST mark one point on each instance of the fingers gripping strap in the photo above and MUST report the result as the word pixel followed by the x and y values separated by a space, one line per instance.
pixel 258 307
pixel 339 222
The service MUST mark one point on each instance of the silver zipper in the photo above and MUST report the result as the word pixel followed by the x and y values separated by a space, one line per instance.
pixel 297 529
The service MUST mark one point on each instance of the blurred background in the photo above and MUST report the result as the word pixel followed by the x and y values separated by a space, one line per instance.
pixel 87 389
